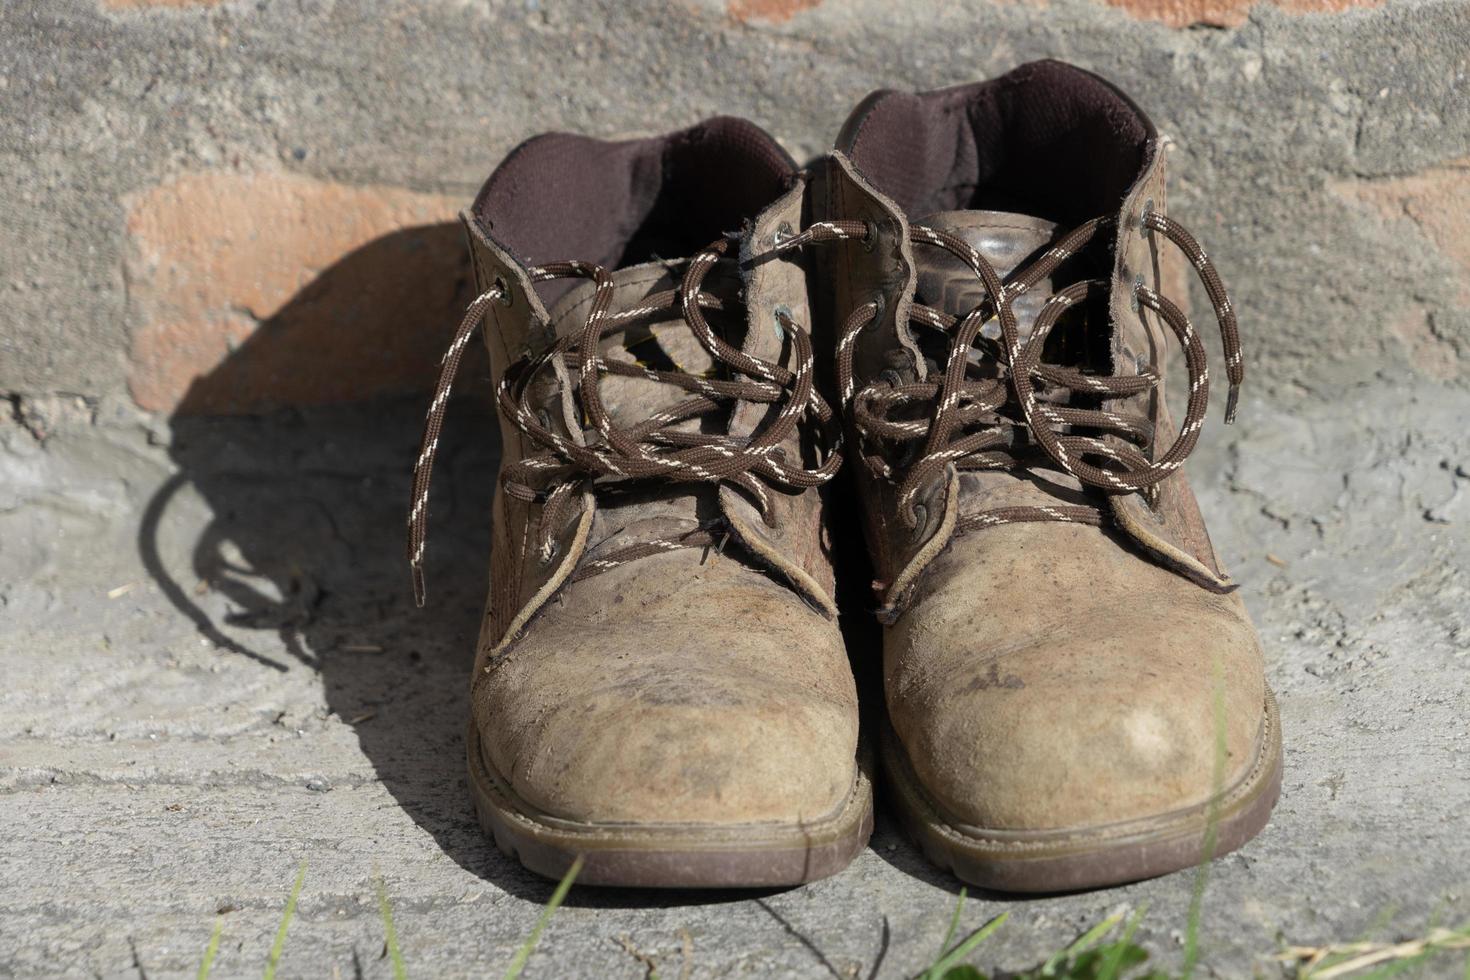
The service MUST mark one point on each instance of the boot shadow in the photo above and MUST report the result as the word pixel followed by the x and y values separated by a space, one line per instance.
pixel 299 562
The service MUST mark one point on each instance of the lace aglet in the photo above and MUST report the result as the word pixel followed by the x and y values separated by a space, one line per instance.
pixel 418 584
pixel 1231 401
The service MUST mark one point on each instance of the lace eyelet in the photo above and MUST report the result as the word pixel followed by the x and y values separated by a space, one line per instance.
pixel 783 233
pixel 1148 208
pixel 776 314
pixel 880 303
pixel 921 518
pixel 891 377
pixel 500 286
pixel 548 555
pixel 1137 285
pixel 870 235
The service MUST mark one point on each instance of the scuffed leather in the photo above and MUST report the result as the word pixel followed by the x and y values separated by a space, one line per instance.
pixel 1062 677
pixel 795 545
pixel 519 580
pixel 855 273
pixel 681 688
pixel 690 687
pixel 1169 525
pixel 1046 677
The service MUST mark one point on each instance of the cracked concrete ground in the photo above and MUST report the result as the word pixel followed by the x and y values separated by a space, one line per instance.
pixel 215 671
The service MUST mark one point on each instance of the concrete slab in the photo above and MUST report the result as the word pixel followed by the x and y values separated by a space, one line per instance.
pixel 215 671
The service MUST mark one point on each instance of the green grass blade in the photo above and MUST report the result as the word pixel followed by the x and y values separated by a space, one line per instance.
pixel 1212 830
pixel 1081 945
pixel 280 943
pixel 1113 960
pixel 953 957
pixel 390 934
pixel 212 948
pixel 524 953
pixel 954 922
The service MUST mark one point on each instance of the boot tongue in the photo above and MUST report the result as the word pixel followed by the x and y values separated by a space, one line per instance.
pixel 1006 240
pixel 662 341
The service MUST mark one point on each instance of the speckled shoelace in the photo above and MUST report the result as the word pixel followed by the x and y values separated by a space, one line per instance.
pixel 986 424
pixel 653 448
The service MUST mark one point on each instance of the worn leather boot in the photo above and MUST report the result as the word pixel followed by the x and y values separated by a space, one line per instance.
pixel 1074 689
pixel 660 685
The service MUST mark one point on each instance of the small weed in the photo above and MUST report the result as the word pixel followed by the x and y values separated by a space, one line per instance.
pixel 211 949
pixel 280 943
pixel 1084 959
pixel 948 965
pixel 1212 827
pixel 524 953
pixel 390 935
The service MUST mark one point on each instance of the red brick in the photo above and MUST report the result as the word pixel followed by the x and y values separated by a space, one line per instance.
pixel 1435 201
pixel 1431 206
pixel 255 290
pixel 774 11
pixel 1226 13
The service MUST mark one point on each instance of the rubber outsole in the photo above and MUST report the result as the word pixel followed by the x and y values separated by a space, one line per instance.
pixel 1090 857
pixel 668 855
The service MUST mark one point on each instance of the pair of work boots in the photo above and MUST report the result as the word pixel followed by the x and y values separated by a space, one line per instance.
pixel 690 337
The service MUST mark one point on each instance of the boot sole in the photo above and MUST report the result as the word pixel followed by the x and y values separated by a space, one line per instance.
pixel 1089 857
pixel 757 855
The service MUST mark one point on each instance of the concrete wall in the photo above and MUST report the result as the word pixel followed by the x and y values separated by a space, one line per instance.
pixel 183 180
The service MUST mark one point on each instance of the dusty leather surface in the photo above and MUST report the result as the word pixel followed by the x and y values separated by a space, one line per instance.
pixel 674 691
pixel 519 581
pixel 1169 526
pixel 796 545
pixel 684 688
pixel 854 273
pixel 1045 676
pixel 1052 676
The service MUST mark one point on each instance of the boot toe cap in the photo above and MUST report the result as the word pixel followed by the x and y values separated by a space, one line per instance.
pixel 701 720
pixel 1054 705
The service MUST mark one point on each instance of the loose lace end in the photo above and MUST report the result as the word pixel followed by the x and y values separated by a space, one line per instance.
pixel 1230 403
pixel 423 468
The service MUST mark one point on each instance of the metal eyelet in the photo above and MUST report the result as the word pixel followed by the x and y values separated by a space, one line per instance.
pixel 921 518
pixel 1137 285
pixel 880 303
pixel 1148 208
pixel 870 235
pixel 776 314
pixel 891 377
pixel 783 233
pixel 500 286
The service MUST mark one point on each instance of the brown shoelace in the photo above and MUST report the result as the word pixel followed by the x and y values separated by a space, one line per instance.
pixel 653 448
pixel 983 424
